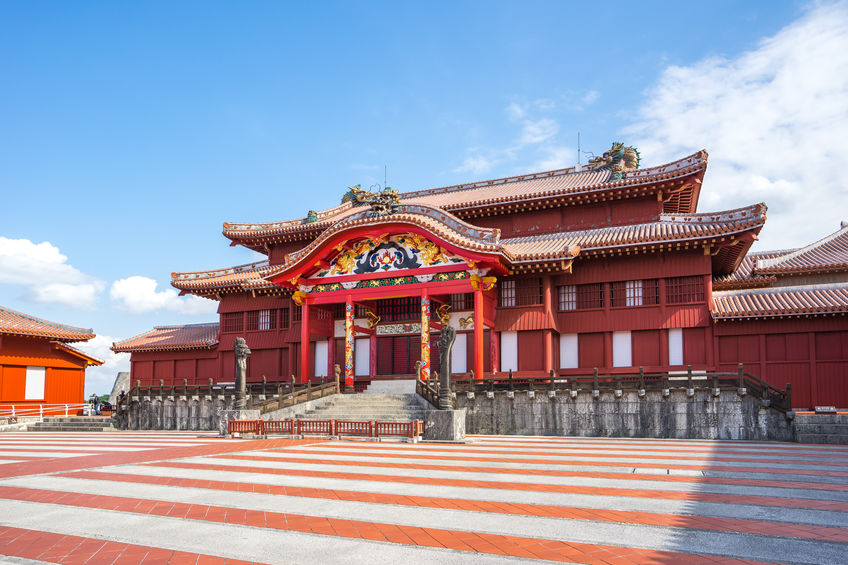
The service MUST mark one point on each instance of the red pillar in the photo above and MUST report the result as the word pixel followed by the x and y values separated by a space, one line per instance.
pixel 493 350
pixel 304 342
pixel 349 355
pixel 547 335
pixel 372 354
pixel 478 333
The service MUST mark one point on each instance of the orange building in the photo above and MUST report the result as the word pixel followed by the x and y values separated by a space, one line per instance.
pixel 38 367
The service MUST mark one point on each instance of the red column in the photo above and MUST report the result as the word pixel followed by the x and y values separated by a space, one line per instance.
pixel 493 350
pixel 372 354
pixel 547 335
pixel 304 342
pixel 349 358
pixel 478 333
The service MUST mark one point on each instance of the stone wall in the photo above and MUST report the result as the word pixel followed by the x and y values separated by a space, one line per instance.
pixel 173 413
pixel 703 415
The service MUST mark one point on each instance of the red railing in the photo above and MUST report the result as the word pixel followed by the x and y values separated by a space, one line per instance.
pixel 370 429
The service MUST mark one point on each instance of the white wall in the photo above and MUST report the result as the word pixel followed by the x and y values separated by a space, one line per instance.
pixel 321 359
pixel 622 345
pixel 509 351
pixel 459 354
pixel 361 357
pixel 34 383
pixel 675 346
pixel 568 351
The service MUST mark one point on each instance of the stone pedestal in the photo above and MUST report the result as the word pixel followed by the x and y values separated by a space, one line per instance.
pixel 445 425
pixel 225 415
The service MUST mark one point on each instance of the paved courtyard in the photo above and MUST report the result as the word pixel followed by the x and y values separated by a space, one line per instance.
pixel 157 497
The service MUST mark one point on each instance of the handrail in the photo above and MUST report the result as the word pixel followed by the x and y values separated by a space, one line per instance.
pixel 29 410
pixel 429 392
pixel 741 381
pixel 337 428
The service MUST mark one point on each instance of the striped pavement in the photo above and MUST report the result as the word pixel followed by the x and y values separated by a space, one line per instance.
pixel 184 497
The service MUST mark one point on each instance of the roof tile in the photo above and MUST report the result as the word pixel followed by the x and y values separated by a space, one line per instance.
pixel 13 322
pixel 163 338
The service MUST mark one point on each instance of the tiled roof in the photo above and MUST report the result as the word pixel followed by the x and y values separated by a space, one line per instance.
pixel 486 193
pixel 781 301
pixel 743 276
pixel 13 322
pixel 827 254
pixel 669 228
pixel 163 338
pixel 245 277
pixel 76 352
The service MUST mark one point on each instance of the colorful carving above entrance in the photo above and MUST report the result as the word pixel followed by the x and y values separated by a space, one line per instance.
pixel 390 281
pixel 389 253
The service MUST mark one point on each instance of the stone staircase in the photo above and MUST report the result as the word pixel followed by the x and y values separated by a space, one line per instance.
pixel 73 424
pixel 821 428
pixel 363 407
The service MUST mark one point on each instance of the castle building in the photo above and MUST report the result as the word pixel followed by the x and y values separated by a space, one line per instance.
pixel 38 366
pixel 606 266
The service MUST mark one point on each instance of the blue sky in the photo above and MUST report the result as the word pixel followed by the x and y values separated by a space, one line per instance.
pixel 131 131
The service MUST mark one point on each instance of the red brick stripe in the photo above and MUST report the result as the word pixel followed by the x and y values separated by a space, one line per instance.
pixel 59 548
pixel 759 527
pixel 593 453
pixel 536 472
pixel 769 470
pixel 516 546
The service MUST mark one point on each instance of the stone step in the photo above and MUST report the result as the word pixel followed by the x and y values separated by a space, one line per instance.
pixel 819 428
pixel 70 428
pixel 830 439
pixel 821 419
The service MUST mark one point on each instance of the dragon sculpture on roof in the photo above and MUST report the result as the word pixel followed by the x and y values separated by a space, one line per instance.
pixel 619 159
pixel 382 203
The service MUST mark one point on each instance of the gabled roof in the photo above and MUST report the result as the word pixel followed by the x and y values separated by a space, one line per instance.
pixel 829 254
pixel 169 338
pixel 743 276
pixel 783 301
pixel 77 353
pixel 242 278
pixel 681 197
pixel 13 322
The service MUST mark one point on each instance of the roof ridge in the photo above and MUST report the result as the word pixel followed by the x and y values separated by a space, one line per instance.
pixel 773 289
pixel 767 263
pixel 175 326
pixel 30 317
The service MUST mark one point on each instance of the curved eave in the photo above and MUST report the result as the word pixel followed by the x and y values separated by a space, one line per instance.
pixel 89 360
pixel 145 349
pixel 739 284
pixel 718 317
pixel 804 270
pixel 48 335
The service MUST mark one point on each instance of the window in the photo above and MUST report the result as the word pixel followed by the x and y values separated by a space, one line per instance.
pixel 261 320
pixel 509 351
pixel 284 318
pixel 232 322
pixel 507 294
pixel 339 311
pixel 34 388
pixel 297 313
pixel 460 302
pixel 635 293
pixel 567 298
pixel 680 290
pixel 590 296
pixel 521 292
pixel 399 309
pixel 359 311
pixel 622 350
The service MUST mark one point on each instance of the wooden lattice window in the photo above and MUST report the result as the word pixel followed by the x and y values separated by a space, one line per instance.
pixel 232 322
pixel 567 297
pixel 680 290
pixel 339 311
pixel 521 292
pixel 635 293
pixel 297 313
pixel 261 320
pixel 590 296
pixel 463 301
pixel 399 309
pixel 284 318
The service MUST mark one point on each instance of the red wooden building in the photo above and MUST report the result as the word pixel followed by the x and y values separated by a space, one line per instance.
pixel 606 266
pixel 37 366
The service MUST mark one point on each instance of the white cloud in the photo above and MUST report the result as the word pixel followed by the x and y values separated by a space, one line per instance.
pixel 590 96
pixel 138 294
pixel 45 273
pixel 100 379
pixel 538 131
pixel 515 111
pixel 774 121
pixel 557 158
pixel 475 164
